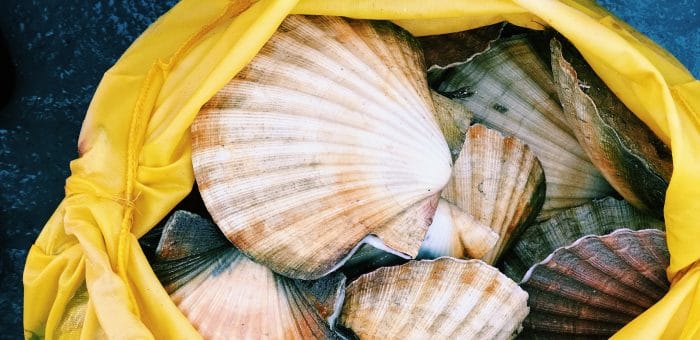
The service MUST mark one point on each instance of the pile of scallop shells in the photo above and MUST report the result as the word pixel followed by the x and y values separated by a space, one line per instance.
pixel 364 183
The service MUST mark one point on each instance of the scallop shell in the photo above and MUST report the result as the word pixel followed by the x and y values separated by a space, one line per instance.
pixel 510 89
pixel 598 217
pixel 224 294
pixel 446 49
pixel 443 299
pixel 456 233
pixel 633 160
pixel 327 136
pixel 499 182
pixel 598 284
pixel 454 120
pixel 452 233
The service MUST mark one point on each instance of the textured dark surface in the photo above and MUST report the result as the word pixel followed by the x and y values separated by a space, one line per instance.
pixel 60 51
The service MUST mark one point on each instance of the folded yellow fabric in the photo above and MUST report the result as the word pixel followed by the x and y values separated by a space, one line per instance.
pixel 86 275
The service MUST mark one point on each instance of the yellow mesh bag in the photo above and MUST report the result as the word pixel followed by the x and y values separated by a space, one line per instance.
pixel 86 275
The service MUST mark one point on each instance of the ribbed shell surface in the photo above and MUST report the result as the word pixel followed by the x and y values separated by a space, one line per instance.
pixel 499 182
pixel 599 217
pixel 598 284
pixel 510 89
pixel 225 295
pixel 442 299
pixel 633 160
pixel 328 135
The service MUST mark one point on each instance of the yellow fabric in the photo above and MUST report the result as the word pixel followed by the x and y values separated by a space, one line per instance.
pixel 135 151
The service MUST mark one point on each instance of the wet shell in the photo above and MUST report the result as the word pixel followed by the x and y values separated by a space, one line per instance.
pixel 499 182
pixel 446 49
pixel 224 294
pixel 510 89
pixel 598 284
pixel 327 136
pixel 633 160
pixel 441 299
pixel 598 217
pixel 456 233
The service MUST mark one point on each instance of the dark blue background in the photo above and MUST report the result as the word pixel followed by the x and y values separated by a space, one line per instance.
pixel 60 49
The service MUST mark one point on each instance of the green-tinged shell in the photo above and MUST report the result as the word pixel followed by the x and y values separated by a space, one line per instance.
pixel 633 160
pixel 224 294
pixel 326 137
pixel 510 89
pixel 598 217
pixel 439 299
pixel 596 285
pixel 499 182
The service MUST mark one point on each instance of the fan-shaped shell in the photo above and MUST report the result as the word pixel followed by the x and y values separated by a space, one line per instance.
pixel 598 284
pixel 598 217
pixel 510 89
pixel 633 160
pixel 443 299
pixel 499 182
pixel 224 294
pixel 328 135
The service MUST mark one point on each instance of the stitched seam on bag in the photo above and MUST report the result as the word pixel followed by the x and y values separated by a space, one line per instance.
pixel 137 132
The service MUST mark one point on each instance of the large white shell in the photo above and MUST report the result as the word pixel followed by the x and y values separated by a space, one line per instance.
pixel 510 89
pixel 499 182
pixel 440 299
pixel 324 138
pixel 224 294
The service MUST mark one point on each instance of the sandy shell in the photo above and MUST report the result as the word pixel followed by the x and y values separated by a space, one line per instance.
pixel 441 299
pixel 224 294
pixel 327 136
pixel 509 88
pixel 598 217
pixel 598 284
pixel 499 182
pixel 633 160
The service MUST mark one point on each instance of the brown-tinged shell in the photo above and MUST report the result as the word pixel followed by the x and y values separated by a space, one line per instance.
pixel 224 294
pixel 442 299
pixel 499 182
pixel 598 217
pixel 453 119
pixel 446 49
pixel 598 284
pixel 509 88
pixel 326 137
pixel 633 160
